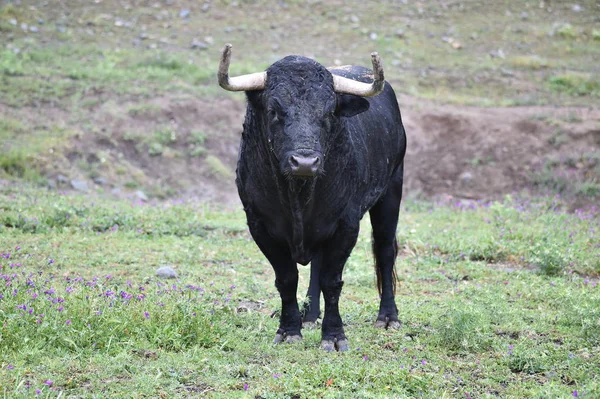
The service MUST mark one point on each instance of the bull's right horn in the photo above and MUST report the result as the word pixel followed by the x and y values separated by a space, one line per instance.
pixel 253 81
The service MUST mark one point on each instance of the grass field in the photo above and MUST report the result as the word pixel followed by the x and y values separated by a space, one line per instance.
pixel 496 300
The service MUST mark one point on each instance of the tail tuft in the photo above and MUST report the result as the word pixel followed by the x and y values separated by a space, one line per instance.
pixel 378 267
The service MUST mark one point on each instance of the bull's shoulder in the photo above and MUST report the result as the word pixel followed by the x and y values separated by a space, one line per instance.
pixel 354 72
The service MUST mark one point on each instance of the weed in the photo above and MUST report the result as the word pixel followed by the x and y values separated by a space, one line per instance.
pixel 217 168
pixel 575 84
pixel 566 31
pixel 463 328
pixel 525 361
pixel 143 111
pixel 529 62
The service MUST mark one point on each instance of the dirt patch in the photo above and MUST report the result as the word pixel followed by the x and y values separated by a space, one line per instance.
pixel 182 145
pixel 484 153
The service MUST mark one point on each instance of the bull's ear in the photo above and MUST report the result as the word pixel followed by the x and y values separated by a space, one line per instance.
pixel 255 97
pixel 348 105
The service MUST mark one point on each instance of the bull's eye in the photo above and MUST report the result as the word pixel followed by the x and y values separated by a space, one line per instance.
pixel 274 116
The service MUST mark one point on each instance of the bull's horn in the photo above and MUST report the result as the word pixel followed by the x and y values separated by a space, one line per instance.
pixel 349 86
pixel 253 81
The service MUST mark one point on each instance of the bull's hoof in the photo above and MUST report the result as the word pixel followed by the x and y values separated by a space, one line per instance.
pixel 388 323
pixel 309 325
pixel 288 339
pixel 340 346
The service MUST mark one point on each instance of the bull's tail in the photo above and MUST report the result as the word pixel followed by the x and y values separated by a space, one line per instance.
pixel 378 266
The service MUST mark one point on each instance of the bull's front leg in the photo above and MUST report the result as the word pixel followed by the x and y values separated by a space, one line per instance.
pixel 286 281
pixel 335 253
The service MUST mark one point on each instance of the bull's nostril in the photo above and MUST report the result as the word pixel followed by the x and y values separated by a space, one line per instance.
pixel 294 162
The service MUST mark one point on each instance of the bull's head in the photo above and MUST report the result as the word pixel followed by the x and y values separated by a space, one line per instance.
pixel 300 105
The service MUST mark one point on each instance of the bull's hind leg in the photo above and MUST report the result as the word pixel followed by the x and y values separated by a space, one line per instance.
pixel 311 309
pixel 286 281
pixel 384 219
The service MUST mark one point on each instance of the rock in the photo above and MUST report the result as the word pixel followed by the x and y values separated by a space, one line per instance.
pixel 209 40
pixel 400 34
pixel 143 36
pixel 34 29
pixel 166 272
pixel 12 21
pixel 456 45
pixel 115 191
pixel 199 45
pixel 466 176
pixel 79 185
pixel 577 8
pixel 61 179
pixel 184 13
pixel 228 29
pixel 205 7
pixel 396 62
pixel 354 19
pixel 506 72
pixel 100 181
pixel 373 36
pixel 498 53
pixel 524 15
pixel 141 195
pixel 52 183
pixel 337 62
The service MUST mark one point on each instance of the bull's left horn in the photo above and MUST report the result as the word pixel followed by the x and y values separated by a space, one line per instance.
pixel 253 81
pixel 348 86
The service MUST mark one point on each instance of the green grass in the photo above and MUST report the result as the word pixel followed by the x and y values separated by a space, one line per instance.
pixel 114 59
pixel 479 316
pixel 576 84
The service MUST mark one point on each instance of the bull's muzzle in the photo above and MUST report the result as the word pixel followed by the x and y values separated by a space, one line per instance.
pixel 303 165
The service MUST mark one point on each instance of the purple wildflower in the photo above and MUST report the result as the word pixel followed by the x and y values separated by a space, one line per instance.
pixel 146 315
pixel 245 386
pixel 365 357
pixel 68 322
pixel 38 391
pixel 10 367
pixel 50 261
pixel 575 394
pixel 48 382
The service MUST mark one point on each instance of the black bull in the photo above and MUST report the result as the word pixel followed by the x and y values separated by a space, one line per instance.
pixel 312 162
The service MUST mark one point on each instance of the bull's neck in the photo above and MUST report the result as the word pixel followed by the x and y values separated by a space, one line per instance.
pixel 300 195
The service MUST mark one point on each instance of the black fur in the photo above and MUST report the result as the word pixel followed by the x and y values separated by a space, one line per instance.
pixel 297 219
